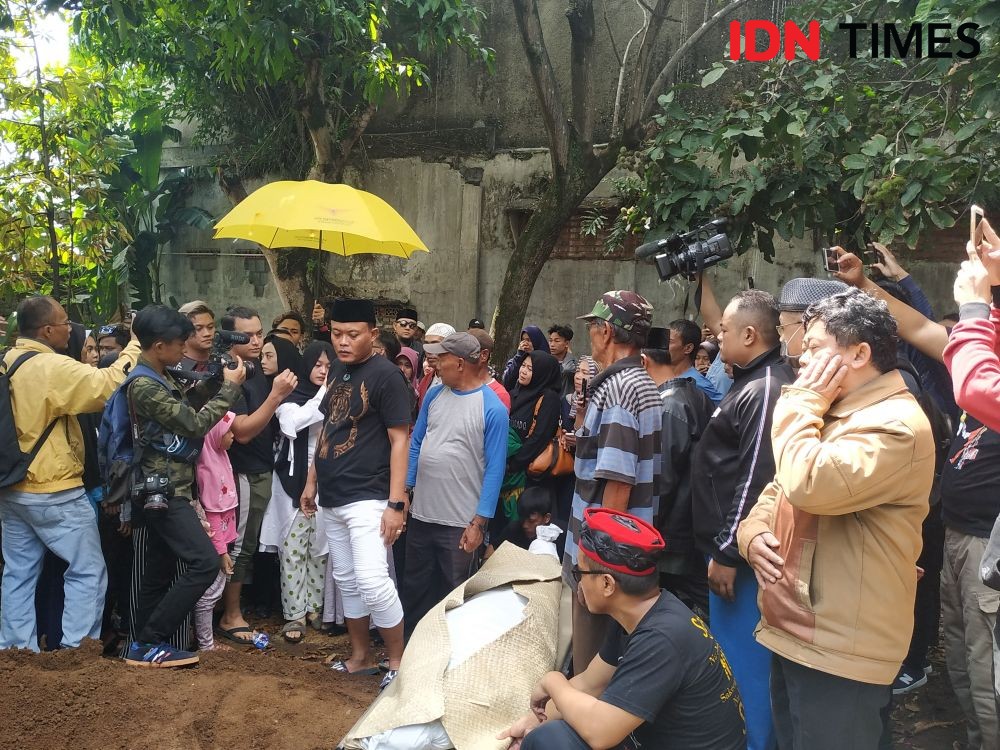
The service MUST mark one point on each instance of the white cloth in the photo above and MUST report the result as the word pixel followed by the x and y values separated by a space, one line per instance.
pixel 360 568
pixel 281 512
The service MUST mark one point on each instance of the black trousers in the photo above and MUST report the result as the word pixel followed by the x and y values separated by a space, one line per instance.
pixel 927 606
pixel 165 598
pixel 813 710
pixel 434 566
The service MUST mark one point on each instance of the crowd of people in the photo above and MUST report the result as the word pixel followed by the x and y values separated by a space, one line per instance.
pixel 767 516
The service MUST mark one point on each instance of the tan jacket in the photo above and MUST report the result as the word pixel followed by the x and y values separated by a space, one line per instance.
pixel 53 386
pixel 846 504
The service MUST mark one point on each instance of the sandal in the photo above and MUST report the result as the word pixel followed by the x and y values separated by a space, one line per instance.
pixel 316 621
pixel 341 666
pixel 231 634
pixel 293 626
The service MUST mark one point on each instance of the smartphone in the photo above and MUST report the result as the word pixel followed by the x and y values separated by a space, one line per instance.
pixel 873 255
pixel 976 215
pixel 830 260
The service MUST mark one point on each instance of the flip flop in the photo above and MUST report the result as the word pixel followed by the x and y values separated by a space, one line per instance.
pixel 293 626
pixel 341 666
pixel 230 635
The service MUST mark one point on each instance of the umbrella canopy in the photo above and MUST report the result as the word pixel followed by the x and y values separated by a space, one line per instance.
pixel 334 218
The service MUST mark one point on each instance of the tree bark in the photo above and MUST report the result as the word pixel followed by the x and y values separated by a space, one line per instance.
pixel 558 203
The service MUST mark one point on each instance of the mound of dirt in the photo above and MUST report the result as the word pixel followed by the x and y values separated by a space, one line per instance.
pixel 245 700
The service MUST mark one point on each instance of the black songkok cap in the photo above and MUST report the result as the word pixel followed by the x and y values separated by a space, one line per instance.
pixel 353 311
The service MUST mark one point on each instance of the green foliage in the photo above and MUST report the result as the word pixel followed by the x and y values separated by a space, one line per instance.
pixel 260 77
pixel 853 148
pixel 83 212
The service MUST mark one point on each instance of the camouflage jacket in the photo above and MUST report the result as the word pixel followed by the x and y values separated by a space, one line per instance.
pixel 170 410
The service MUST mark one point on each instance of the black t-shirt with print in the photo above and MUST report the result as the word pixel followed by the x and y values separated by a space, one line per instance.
pixel 256 456
pixel 671 673
pixel 970 476
pixel 352 457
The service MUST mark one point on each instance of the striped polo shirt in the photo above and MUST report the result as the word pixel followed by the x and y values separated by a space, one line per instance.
pixel 619 441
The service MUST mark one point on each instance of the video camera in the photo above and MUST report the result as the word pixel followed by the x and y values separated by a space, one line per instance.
pixel 689 253
pixel 219 358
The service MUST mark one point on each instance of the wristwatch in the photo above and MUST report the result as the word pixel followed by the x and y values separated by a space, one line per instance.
pixel 396 505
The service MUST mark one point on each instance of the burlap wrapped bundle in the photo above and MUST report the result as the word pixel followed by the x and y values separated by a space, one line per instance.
pixel 483 695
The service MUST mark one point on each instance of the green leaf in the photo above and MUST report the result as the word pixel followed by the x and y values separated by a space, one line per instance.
pixel 795 128
pixel 911 192
pixel 854 161
pixel 924 8
pixel 941 219
pixel 969 129
pixel 712 76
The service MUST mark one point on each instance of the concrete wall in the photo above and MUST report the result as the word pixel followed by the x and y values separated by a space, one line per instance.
pixel 467 229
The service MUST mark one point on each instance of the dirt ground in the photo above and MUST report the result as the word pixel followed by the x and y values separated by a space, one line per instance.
pixel 281 698
pixel 929 718
pixel 284 697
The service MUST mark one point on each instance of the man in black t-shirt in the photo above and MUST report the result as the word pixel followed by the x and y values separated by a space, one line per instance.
pixel 659 682
pixel 252 457
pixel 359 474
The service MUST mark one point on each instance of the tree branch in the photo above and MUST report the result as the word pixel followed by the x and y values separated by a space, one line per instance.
pixel 670 69
pixel 544 79
pixel 359 123
pixel 580 15
pixel 622 63
pixel 637 80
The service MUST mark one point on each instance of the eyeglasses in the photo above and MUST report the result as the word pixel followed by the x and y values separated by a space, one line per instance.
pixel 595 322
pixel 63 323
pixel 407 323
pixel 781 330
pixel 578 574
pixel 288 331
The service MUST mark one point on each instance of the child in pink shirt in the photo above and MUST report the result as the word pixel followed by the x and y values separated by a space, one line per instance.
pixel 218 501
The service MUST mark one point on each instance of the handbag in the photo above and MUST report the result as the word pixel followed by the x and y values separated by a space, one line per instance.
pixel 553 461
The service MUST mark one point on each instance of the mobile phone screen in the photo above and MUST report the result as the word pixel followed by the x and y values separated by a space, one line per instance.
pixel 830 262
pixel 975 231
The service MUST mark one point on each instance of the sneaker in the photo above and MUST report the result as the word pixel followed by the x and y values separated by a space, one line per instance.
pixel 908 679
pixel 161 655
pixel 389 677
pixel 928 668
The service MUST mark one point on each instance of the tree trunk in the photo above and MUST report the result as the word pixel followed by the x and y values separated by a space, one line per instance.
pixel 556 206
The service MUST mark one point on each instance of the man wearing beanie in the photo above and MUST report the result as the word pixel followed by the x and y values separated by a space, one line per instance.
pixel 659 681
pixel 359 474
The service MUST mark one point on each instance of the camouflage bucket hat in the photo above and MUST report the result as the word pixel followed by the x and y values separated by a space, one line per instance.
pixel 623 308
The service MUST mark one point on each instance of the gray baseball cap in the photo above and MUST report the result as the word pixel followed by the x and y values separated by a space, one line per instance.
pixel 461 344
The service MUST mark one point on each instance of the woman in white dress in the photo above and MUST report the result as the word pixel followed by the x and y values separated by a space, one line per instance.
pixel 286 529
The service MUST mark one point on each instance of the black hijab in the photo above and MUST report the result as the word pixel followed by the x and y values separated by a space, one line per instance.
pixel 546 374
pixel 77 340
pixel 305 389
pixel 294 484
pixel 288 357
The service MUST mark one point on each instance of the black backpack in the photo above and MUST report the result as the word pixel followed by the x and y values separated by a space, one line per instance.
pixel 14 462
pixel 941 426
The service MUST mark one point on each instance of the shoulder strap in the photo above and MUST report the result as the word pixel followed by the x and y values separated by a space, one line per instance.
pixel 17 362
pixel 51 425
pixel 534 416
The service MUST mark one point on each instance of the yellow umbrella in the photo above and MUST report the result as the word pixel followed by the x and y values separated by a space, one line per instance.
pixel 333 218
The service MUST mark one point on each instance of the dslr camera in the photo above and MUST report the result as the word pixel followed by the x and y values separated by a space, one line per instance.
pixel 154 491
pixel 689 253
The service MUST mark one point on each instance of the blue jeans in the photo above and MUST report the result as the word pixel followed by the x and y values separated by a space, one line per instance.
pixel 65 524
pixel 732 624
